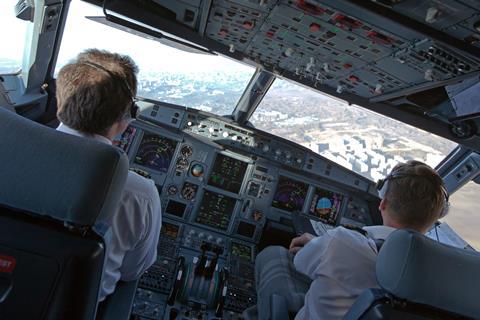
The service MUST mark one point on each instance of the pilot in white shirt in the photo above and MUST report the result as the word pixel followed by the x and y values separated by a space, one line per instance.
pixel 96 100
pixel 321 277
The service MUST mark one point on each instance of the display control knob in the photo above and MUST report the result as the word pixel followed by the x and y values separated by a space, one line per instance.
pixel 299 160
pixel 234 138
pixel 266 148
pixel 278 152
pixel 211 130
pixel 201 235
pixel 225 134
pixel 191 232
pixel 210 238
pixel 219 241
pixel 288 154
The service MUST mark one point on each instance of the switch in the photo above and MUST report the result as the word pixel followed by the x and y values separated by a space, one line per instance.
pixel 288 52
pixel 326 67
pixel 432 15
pixel 314 27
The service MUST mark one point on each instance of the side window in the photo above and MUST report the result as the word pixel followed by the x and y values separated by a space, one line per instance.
pixel 12 35
pixel 464 214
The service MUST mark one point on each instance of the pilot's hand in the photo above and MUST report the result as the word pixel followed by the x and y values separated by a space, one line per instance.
pixel 299 242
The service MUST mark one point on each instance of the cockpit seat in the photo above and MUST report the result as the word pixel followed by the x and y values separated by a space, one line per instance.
pixel 55 190
pixel 421 279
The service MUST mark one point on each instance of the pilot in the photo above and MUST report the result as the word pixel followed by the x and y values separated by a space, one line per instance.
pixel 95 97
pixel 320 277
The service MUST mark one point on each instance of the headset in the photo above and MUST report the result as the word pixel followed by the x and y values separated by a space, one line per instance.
pixel 134 109
pixel 382 186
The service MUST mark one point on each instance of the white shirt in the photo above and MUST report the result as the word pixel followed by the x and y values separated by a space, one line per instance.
pixel 135 228
pixel 341 264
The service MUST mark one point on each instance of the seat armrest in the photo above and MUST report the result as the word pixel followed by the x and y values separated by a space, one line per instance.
pixel 118 305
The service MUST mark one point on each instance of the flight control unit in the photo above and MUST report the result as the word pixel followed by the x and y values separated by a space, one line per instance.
pixel 223 188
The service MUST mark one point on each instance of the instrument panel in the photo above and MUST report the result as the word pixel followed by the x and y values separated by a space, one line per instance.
pixel 218 194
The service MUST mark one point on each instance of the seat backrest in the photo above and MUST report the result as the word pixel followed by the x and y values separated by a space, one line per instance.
pixel 421 279
pixel 55 189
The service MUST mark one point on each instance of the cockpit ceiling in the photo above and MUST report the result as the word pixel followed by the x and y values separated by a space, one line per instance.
pixel 384 51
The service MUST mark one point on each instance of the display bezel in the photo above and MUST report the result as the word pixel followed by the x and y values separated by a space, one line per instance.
pixel 313 204
pixel 283 208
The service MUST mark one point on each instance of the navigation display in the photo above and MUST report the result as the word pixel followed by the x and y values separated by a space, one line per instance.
pixel 290 194
pixel 169 230
pixel 215 210
pixel 227 173
pixel 326 205
pixel 241 250
pixel 155 152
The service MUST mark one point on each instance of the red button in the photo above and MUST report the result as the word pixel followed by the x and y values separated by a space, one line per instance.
pixel 223 32
pixel 248 25
pixel 7 264
pixel 347 65
pixel 314 27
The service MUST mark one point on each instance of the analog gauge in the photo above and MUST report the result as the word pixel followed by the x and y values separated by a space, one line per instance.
pixel 172 190
pixel 186 151
pixel 182 164
pixel 189 191
pixel 197 170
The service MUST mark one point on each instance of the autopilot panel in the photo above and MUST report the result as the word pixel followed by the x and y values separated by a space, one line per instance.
pixel 220 197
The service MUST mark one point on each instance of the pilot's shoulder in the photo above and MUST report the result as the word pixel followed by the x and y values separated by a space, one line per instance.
pixel 348 234
pixel 139 186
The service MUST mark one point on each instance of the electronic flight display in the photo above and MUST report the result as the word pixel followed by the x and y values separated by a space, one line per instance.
pixel 169 230
pixel 290 194
pixel 215 210
pixel 326 205
pixel 155 152
pixel 227 173
pixel 241 251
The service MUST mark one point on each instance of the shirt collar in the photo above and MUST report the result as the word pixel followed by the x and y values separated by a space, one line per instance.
pixel 379 232
pixel 66 129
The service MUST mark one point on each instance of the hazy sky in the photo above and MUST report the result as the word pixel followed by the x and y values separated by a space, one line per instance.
pixel 82 33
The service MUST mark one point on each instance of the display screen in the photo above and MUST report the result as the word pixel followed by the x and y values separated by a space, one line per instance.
pixel 290 194
pixel 175 208
pixel 326 205
pixel 125 139
pixel 215 210
pixel 246 229
pixel 169 230
pixel 155 152
pixel 227 173
pixel 241 250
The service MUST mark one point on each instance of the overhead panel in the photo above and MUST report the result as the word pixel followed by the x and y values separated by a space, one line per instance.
pixel 329 46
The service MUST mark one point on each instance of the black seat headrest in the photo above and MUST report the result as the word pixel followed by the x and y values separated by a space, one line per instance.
pixel 418 269
pixel 54 174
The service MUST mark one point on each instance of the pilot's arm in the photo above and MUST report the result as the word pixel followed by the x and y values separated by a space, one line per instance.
pixel 309 257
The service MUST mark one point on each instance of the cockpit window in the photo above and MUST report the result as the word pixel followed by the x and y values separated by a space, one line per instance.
pixel 363 141
pixel 463 215
pixel 12 32
pixel 205 82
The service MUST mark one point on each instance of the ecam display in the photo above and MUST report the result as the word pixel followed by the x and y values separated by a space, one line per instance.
pixel 227 173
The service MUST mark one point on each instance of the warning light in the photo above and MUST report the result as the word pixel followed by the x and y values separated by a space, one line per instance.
pixel 314 27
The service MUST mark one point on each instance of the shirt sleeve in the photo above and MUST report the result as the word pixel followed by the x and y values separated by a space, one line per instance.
pixel 311 255
pixel 144 253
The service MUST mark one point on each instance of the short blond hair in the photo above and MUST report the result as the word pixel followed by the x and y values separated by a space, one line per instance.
pixel 416 195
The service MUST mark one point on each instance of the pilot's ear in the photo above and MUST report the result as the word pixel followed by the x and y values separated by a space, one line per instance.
pixel 383 204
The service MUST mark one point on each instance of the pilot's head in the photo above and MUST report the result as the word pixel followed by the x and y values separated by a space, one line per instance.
pixel 96 93
pixel 413 196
